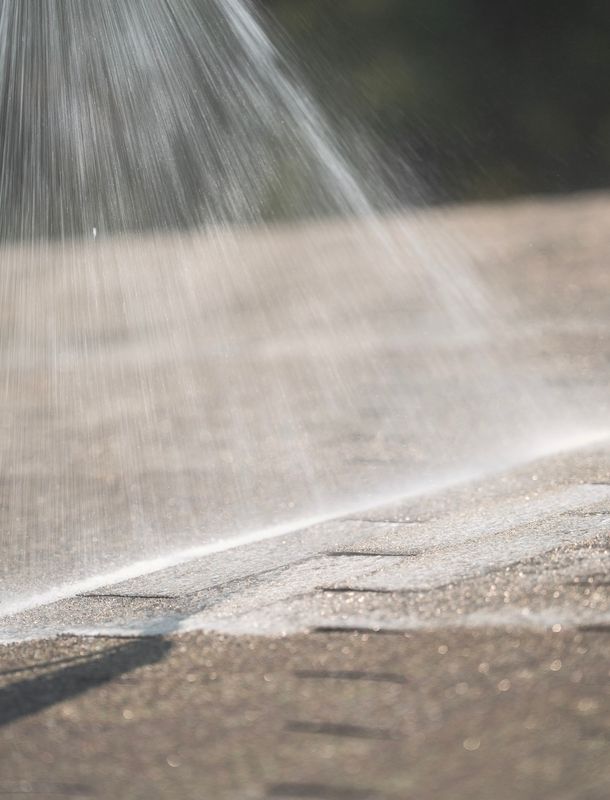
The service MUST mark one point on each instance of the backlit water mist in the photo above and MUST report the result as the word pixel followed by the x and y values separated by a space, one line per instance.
pixel 207 324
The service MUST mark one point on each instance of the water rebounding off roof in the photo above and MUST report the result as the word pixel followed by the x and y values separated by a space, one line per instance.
pixel 209 322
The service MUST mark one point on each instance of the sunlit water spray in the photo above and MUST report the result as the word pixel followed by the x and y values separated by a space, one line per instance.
pixel 207 324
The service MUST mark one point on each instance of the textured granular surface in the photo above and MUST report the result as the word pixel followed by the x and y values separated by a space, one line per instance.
pixel 451 714
pixel 454 646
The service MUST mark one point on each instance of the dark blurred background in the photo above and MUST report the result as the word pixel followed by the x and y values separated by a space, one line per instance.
pixel 448 100
pixel 483 99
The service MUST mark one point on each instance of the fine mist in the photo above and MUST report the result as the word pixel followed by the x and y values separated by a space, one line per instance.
pixel 210 323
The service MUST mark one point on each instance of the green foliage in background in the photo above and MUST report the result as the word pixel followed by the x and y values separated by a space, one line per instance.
pixel 484 99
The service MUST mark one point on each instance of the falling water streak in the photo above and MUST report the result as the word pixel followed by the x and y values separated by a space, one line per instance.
pixel 206 326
